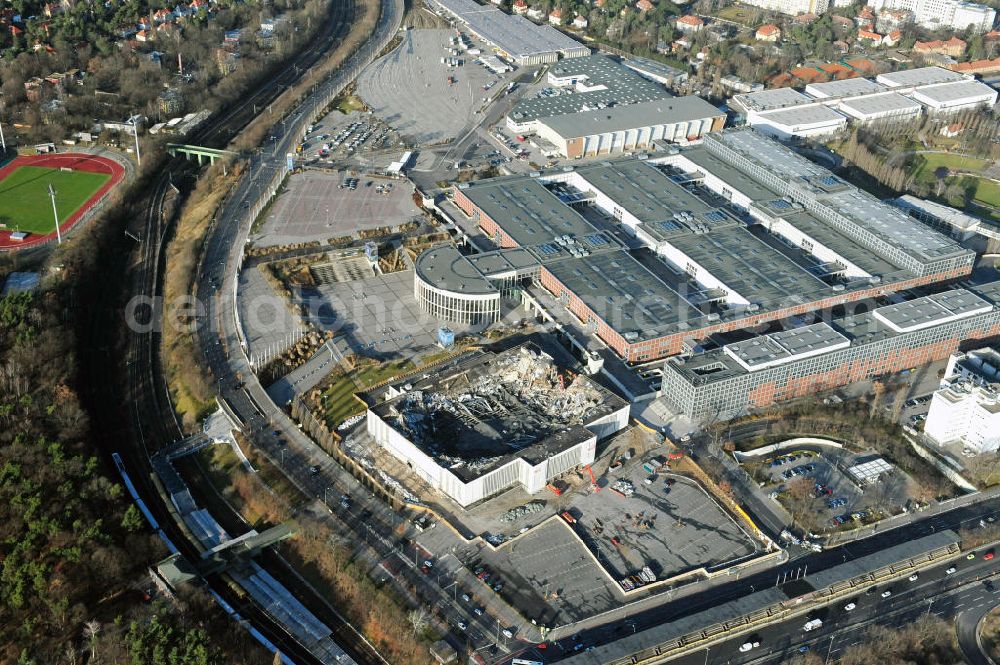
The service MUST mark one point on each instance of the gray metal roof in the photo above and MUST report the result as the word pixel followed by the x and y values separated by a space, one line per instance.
pixel 890 101
pixel 513 34
pixel 768 100
pixel 954 92
pixel 931 310
pixel 446 268
pixel 527 211
pixel 645 114
pixel 652 68
pixel 619 86
pixel 920 76
pixel 803 115
pixel 843 88
pixel 786 345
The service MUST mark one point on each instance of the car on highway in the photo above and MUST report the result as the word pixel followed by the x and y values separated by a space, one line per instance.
pixel 970 556
pixel 746 646
pixel 988 556
pixel 314 469
pixel 803 648
pixel 950 570
pixel 850 606
pixel 508 633
pixel 988 584
pixel 478 611
pixel 914 577
pixel 462 625
pixel 887 593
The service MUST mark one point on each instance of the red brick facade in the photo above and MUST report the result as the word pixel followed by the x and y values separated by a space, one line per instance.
pixel 670 345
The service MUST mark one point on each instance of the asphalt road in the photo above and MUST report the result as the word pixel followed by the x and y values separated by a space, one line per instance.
pixel 934 592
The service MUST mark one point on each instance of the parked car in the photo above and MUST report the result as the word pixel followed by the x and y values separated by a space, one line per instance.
pixel 850 606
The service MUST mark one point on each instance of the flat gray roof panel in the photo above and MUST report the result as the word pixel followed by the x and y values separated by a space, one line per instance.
pixel 644 114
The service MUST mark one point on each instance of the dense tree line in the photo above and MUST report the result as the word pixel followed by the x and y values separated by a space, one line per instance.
pixel 73 548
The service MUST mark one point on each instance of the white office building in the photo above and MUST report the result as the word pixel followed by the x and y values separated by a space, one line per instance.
pixel 966 409
pixel 792 7
pixel 933 14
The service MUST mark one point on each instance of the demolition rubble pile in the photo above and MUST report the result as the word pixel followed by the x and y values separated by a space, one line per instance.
pixel 502 406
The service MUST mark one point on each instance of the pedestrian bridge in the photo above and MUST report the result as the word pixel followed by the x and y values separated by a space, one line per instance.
pixel 198 151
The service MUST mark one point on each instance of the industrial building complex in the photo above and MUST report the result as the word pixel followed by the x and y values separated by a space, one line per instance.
pixel 825 108
pixel 515 37
pixel 724 236
pixel 760 371
pixel 488 421
pixel 598 106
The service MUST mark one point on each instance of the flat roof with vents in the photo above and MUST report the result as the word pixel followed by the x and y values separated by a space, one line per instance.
pixel 619 117
pixel 932 310
pixel 785 346
pixel 920 76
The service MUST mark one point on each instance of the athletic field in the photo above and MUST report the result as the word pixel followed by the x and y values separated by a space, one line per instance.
pixel 24 196
pixel 79 180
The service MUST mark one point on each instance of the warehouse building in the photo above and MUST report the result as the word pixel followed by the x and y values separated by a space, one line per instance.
pixel 825 108
pixel 888 106
pixel 727 235
pixel 955 97
pixel 755 373
pixel 806 121
pixel 599 106
pixel 486 422
pixel 515 37
pixel 619 129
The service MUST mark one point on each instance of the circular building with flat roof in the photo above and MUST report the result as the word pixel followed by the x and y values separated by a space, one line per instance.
pixel 448 287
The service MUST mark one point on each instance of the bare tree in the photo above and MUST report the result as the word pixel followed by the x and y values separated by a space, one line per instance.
pixel 419 619
pixel 91 630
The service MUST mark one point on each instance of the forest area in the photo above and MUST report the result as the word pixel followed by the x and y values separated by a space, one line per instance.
pixel 73 548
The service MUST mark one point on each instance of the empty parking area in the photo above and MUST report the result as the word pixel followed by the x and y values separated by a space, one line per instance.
pixel 670 525
pixel 376 317
pixel 317 205
pixel 549 576
pixel 410 89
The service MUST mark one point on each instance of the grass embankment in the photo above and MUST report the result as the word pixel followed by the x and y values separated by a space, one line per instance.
pixel 334 399
pixel 363 25
pixel 189 380
pixel 375 610
pixel 265 499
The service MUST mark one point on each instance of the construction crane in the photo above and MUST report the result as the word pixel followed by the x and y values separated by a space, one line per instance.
pixel 593 479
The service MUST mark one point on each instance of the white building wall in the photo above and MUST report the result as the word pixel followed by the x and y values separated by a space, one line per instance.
pixel 796 236
pixel 717 185
pixel 970 418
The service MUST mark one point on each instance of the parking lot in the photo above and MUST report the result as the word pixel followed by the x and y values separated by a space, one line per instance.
pixel 268 322
pixel 814 487
pixel 317 206
pixel 424 100
pixel 376 317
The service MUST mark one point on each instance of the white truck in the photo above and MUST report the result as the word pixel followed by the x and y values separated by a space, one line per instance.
pixel 812 624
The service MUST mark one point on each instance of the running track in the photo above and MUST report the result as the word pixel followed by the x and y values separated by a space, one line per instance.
pixel 76 161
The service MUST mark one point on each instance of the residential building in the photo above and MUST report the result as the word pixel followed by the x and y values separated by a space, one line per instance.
pixel 935 14
pixel 645 6
pixel 793 7
pixel 953 47
pixel 689 24
pixel 768 33
pixel 555 16
pixel 965 410
pixel 978 67
pixel 520 7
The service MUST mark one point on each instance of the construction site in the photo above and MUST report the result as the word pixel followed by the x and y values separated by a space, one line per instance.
pixel 486 422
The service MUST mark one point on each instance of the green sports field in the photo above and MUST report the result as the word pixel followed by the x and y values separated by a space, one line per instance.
pixel 24 196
